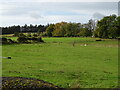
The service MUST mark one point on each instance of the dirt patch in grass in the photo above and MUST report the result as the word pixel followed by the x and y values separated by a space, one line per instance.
pixel 21 83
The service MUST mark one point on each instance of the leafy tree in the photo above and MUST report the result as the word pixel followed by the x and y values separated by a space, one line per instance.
pixel 112 32
pixel 50 30
pixel 107 27
pixel 84 32
pixel 72 29
pixel 118 26
pixel 39 39
pixel 59 29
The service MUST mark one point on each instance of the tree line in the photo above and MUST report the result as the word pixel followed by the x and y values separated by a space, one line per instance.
pixel 23 29
pixel 108 27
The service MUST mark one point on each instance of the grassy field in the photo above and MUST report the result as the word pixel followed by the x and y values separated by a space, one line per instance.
pixel 87 64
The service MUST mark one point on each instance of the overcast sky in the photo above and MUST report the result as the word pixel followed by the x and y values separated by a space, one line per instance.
pixel 13 12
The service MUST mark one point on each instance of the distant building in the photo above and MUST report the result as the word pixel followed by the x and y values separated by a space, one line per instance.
pixel 119 8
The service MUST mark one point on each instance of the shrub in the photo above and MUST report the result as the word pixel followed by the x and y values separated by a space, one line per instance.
pixel 10 41
pixel 4 40
pixel 21 35
pixel 39 39
pixel 34 39
pixel 22 38
pixel 35 35
pixel 29 35
pixel 44 34
pixel 16 34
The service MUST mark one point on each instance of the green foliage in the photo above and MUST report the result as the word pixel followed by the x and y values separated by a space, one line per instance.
pixel 22 38
pixel 85 32
pixel 112 33
pixel 59 29
pixel 39 32
pixel 10 41
pixel 21 35
pixel 95 33
pixel 39 39
pixel 16 34
pixel 35 35
pixel 10 29
pixel 118 26
pixel 29 35
pixel 64 29
pixel 72 29
pixel 28 38
pixel 49 30
pixel 44 34
pixel 6 41
pixel 108 27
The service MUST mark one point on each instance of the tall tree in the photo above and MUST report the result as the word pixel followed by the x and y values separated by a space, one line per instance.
pixel 107 27
pixel 59 29
pixel 50 30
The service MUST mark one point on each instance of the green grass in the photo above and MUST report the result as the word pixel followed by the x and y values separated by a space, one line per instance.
pixel 59 62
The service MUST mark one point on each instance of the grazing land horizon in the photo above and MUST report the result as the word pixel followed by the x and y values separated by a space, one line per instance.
pixel 86 64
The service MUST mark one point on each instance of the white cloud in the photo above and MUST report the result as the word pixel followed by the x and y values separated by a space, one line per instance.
pixel 98 15
pixel 77 0
pixel 55 19
pixel 59 0
pixel 14 20
pixel 47 12
pixel 35 15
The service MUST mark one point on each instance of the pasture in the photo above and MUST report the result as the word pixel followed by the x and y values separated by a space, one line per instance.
pixel 86 64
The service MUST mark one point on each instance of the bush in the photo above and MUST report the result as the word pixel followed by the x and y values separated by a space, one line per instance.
pixel 10 41
pixel 22 38
pixel 21 35
pixel 39 39
pixel 16 34
pixel 4 40
pixel 34 39
pixel 35 35
pixel 44 34
pixel 29 35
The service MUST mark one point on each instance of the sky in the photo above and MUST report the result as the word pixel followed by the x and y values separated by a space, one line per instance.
pixel 20 12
